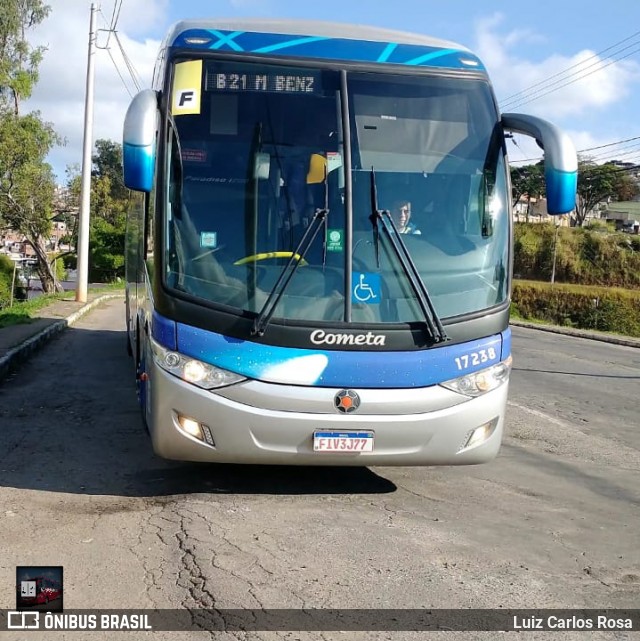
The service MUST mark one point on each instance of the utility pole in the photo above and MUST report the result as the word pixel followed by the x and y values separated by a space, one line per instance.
pixel 557 220
pixel 85 201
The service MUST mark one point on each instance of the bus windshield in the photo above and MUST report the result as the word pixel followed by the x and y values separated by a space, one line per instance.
pixel 258 150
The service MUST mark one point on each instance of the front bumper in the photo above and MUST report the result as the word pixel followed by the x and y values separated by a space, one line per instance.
pixel 251 433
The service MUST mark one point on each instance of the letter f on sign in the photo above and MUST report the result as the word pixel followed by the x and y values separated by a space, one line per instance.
pixel 186 101
pixel 185 97
pixel 186 88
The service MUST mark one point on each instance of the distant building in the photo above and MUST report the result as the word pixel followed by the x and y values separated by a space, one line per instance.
pixel 537 212
pixel 625 215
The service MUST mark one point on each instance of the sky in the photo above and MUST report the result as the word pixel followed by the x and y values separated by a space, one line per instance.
pixel 575 64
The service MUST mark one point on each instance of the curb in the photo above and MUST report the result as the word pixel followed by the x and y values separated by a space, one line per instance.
pixel 578 333
pixel 22 351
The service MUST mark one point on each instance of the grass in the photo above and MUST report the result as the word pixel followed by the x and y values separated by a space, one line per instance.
pixel 23 312
pixel 611 310
pixel 575 288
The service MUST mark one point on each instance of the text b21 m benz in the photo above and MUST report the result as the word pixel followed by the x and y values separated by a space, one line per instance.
pixel 319 255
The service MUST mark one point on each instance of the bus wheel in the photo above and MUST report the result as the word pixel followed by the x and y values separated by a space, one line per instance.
pixel 142 380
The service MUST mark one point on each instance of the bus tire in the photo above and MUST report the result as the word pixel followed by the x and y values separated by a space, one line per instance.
pixel 142 403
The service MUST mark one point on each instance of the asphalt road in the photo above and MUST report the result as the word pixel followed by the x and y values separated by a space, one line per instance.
pixel 552 523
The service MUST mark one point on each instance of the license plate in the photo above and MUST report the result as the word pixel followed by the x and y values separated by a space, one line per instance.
pixel 346 442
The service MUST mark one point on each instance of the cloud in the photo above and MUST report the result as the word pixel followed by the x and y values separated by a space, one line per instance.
pixel 154 14
pixel 548 93
pixel 60 92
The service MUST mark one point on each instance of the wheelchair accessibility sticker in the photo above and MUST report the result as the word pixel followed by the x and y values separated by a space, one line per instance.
pixel 366 288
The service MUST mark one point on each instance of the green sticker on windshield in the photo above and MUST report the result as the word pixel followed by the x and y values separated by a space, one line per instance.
pixel 335 240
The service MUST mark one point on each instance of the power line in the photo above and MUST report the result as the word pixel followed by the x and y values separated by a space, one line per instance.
pixel 577 64
pixel 582 151
pixel 106 45
pixel 132 70
pixel 112 30
pixel 525 100
pixel 609 144
pixel 118 71
pixel 117 6
pixel 619 153
pixel 116 14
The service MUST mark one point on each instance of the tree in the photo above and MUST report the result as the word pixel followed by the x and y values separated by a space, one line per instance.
pixel 18 60
pixel 109 204
pixel 27 184
pixel 107 163
pixel 527 181
pixel 600 182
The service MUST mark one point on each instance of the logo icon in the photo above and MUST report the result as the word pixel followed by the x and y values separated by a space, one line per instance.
pixel 346 401
pixel 39 586
pixel 23 620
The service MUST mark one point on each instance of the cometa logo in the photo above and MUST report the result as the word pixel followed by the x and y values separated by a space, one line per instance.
pixel 320 337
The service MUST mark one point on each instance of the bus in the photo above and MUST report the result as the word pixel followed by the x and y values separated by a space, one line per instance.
pixel 38 590
pixel 277 307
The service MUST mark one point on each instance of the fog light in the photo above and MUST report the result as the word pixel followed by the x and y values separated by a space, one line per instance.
pixel 190 426
pixel 198 430
pixel 479 435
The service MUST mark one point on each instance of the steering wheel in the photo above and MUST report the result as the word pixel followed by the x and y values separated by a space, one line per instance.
pixel 268 255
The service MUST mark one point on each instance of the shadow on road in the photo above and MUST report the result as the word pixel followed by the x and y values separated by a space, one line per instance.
pixel 70 423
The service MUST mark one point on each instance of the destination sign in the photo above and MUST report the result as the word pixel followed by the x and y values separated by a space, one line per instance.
pixel 272 82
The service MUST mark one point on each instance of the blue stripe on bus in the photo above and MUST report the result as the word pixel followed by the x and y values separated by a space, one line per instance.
pixel 506 344
pixel 327 48
pixel 163 330
pixel 289 44
pixel 335 368
pixel 389 49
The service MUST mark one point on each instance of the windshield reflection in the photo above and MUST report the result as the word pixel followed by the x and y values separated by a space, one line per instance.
pixel 264 151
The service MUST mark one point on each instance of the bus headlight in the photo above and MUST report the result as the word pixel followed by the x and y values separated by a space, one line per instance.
pixel 192 370
pixel 481 382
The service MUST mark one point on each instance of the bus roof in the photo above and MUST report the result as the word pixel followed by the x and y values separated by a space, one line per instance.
pixel 314 39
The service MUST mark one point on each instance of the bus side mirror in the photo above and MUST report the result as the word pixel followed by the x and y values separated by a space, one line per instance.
pixel 139 141
pixel 560 159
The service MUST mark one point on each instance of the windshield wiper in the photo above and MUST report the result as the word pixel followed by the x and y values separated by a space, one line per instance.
pixel 297 256
pixel 431 318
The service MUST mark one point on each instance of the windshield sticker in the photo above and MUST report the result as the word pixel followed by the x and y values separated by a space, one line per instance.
pixel 186 88
pixel 334 161
pixel 367 288
pixel 194 155
pixel 335 240
pixel 208 239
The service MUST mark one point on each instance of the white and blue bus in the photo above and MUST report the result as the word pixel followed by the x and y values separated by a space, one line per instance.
pixel 281 306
